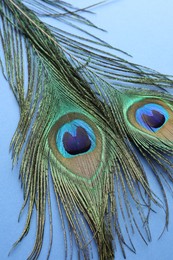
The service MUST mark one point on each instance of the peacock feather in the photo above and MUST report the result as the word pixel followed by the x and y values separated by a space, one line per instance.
pixel 83 113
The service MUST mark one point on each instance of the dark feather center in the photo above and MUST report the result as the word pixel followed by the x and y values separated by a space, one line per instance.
pixel 155 120
pixel 77 144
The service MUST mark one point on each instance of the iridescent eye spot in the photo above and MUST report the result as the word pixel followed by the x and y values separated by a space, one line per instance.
pixel 75 138
pixel 152 116
pixel 75 144
pixel 80 143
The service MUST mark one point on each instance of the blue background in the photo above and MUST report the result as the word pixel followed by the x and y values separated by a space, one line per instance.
pixel 143 29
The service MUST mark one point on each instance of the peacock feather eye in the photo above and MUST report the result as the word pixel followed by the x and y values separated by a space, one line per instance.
pixel 151 116
pixel 76 143
pixel 75 138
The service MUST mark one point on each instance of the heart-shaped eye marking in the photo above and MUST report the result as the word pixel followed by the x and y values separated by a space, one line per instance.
pixel 155 120
pixel 77 144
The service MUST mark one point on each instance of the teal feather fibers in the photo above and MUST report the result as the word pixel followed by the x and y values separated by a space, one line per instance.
pixel 70 80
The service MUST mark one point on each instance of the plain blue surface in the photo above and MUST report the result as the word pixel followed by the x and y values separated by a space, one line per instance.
pixel 143 29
